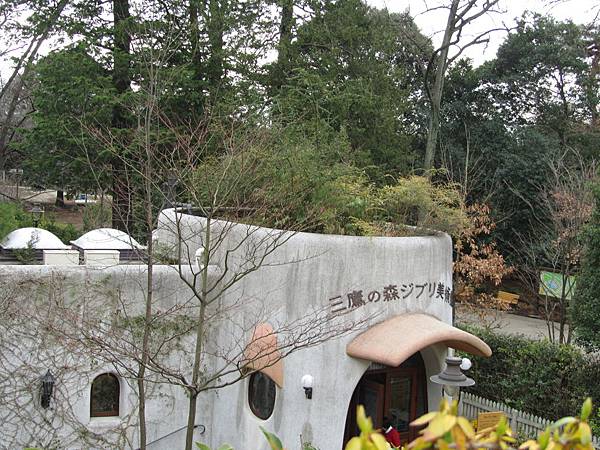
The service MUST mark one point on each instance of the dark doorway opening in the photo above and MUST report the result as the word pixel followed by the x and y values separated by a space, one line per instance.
pixel 398 393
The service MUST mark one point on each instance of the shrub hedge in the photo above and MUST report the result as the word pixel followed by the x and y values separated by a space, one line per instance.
pixel 13 216
pixel 539 377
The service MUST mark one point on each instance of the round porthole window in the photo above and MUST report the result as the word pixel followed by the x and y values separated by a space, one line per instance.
pixel 261 395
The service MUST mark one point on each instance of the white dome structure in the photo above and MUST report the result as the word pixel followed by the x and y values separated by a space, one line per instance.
pixel 107 239
pixel 35 238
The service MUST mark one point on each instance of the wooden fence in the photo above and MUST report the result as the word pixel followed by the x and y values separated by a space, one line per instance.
pixel 527 425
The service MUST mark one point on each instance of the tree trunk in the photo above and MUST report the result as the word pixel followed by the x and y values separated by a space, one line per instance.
pixel 189 438
pixel 592 99
pixel 283 47
pixel 194 10
pixel 26 62
pixel 148 316
pixel 191 423
pixel 435 92
pixel 432 136
pixel 215 67
pixel 121 216
pixel 60 199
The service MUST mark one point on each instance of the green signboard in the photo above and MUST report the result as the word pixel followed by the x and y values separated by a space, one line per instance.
pixel 551 284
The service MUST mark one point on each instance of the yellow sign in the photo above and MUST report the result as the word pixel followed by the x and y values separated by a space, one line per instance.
pixel 488 420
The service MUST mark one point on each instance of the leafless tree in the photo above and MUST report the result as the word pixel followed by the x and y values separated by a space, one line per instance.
pixel 461 16
pixel 564 207
pixel 231 247
pixel 214 259
pixel 12 91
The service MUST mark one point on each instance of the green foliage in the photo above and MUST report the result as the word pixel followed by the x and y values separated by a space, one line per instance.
pixel 352 70
pixel 369 438
pixel 446 429
pixel 293 184
pixel 12 216
pixel 539 377
pixel 167 330
pixel 164 254
pixel 25 255
pixel 65 232
pixel 416 200
pixel 308 446
pixel 72 96
pixel 504 121
pixel 206 447
pixel 96 215
pixel 273 440
pixel 285 181
pixel 585 309
pixel 539 57
pixel 523 166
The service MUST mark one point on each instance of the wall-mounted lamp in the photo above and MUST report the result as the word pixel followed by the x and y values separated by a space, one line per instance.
pixel 307 384
pixel 452 378
pixel 46 389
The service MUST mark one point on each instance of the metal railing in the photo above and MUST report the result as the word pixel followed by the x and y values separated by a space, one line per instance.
pixel 174 432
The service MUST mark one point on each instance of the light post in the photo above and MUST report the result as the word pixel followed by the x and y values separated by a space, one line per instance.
pixel 36 214
pixel 451 378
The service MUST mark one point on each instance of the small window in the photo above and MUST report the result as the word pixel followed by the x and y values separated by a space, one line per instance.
pixel 261 395
pixel 105 395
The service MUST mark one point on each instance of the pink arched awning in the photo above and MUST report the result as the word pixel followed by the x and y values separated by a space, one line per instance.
pixel 263 355
pixel 393 341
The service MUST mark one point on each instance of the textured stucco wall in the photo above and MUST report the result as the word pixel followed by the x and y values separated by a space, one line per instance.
pixel 309 270
pixel 296 280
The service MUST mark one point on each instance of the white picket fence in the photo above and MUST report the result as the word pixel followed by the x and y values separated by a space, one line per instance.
pixel 521 422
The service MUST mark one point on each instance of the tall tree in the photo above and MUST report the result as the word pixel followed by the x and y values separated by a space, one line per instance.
pixel 350 76
pixel 70 91
pixel 586 303
pixel 121 78
pixel 542 75
pixel 461 14
pixel 286 26
pixel 39 28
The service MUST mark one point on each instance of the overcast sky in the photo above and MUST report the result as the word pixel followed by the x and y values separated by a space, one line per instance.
pixel 432 23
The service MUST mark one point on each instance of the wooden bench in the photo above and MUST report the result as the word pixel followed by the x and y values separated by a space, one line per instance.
pixel 508 297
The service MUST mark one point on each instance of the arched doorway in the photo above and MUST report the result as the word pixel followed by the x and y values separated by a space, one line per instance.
pixel 398 393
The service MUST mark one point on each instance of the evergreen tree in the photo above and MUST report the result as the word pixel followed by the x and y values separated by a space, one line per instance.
pixel 71 92
pixel 585 309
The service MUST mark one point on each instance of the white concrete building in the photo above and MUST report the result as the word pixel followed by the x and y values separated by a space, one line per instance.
pixel 360 319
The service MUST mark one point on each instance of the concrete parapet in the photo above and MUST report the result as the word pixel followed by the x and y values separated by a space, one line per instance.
pixel 61 257
pixel 101 257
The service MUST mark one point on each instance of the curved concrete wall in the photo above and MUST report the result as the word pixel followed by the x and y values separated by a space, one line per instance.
pixel 303 282
pixel 306 274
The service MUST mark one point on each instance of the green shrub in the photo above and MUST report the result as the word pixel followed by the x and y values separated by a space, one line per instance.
pixel 66 232
pixel 585 308
pixel 539 377
pixel 12 216
pixel 96 215
pixel 297 184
